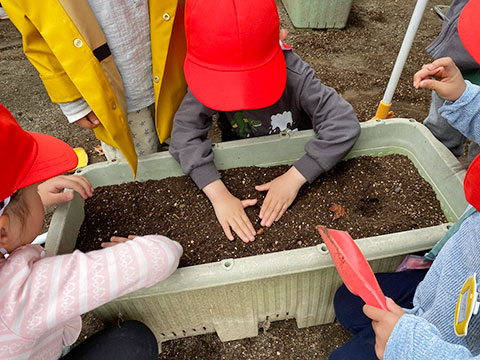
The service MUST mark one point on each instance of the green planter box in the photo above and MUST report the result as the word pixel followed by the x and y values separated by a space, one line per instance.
pixel 233 296
pixel 318 14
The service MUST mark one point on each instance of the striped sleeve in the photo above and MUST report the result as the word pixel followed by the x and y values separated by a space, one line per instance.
pixel 56 289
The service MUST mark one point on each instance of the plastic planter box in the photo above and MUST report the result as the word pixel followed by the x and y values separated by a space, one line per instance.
pixel 318 14
pixel 234 296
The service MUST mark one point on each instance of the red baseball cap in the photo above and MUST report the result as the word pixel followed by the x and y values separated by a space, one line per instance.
pixel 28 158
pixel 469 28
pixel 471 184
pixel 234 59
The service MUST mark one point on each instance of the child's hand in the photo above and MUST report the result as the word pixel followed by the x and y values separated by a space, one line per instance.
pixel 51 191
pixel 383 323
pixel 89 121
pixel 281 193
pixel 115 240
pixel 230 211
pixel 448 82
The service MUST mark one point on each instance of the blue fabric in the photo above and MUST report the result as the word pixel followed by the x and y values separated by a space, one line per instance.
pixel 432 254
pixel 126 341
pixel 398 286
pixel 427 332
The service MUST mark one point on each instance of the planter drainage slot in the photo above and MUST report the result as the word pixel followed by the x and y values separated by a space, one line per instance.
pixel 227 264
pixel 322 248
pixel 299 283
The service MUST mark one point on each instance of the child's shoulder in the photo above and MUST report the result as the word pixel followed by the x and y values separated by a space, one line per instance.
pixel 294 62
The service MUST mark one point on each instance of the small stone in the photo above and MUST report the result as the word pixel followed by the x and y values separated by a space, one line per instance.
pixel 260 231
pixel 398 189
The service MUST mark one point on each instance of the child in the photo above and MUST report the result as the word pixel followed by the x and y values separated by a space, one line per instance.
pixel 448 44
pixel 426 330
pixel 258 87
pixel 112 66
pixel 42 296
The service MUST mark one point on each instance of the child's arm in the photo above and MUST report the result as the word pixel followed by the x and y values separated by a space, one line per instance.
pixel 337 129
pixel 191 148
pixel 41 294
pixel 400 336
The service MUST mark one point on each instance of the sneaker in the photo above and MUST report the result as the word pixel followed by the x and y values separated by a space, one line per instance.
pixel 3 14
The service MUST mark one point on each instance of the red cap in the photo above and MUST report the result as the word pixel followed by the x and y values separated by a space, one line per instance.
pixel 234 59
pixel 471 184
pixel 469 28
pixel 28 158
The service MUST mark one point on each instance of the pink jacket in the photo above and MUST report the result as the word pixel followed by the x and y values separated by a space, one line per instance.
pixel 42 296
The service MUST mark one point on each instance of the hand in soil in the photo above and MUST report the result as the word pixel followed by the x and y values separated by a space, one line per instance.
pixel 281 193
pixel 383 323
pixel 51 191
pixel 448 82
pixel 230 211
pixel 115 240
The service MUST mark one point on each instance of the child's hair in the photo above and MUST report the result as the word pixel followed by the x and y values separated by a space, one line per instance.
pixel 18 206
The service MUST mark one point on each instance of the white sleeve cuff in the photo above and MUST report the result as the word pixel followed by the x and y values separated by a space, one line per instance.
pixel 75 110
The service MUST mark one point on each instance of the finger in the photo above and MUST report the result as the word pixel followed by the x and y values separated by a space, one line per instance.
pixel 394 308
pixel 85 123
pixel 118 239
pixel 93 119
pixel 269 213
pixel 77 183
pixel 226 230
pixel 238 229
pixel 265 206
pixel 60 197
pixel 283 34
pixel 373 313
pixel 274 213
pixel 282 211
pixel 131 237
pixel 108 244
pixel 263 187
pixel 248 227
pixel 248 202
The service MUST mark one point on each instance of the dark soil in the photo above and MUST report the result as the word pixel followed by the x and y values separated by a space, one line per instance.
pixel 379 195
pixel 283 341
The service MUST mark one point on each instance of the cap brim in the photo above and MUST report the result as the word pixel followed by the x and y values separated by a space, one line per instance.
pixel 54 157
pixel 469 29
pixel 238 90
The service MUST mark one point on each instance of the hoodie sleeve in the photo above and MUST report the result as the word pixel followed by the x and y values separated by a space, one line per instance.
pixel 333 120
pixel 189 144
pixel 414 338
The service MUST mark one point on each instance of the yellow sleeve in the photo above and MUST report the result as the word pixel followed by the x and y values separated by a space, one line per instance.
pixel 57 83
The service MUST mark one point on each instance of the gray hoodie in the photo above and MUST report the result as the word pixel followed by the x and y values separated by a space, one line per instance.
pixel 305 104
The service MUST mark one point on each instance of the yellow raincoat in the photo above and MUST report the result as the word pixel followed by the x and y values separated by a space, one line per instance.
pixel 64 42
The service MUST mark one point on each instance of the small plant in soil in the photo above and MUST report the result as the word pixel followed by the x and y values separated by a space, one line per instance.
pixel 365 196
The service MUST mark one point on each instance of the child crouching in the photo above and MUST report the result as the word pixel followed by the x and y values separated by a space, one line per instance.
pixel 42 296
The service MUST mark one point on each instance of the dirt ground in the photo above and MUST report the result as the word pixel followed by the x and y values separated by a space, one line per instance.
pixel 356 61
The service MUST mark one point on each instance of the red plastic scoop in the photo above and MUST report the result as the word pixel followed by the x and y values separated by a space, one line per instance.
pixel 353 267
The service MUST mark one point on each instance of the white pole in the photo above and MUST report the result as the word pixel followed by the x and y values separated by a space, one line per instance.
pixel 404 50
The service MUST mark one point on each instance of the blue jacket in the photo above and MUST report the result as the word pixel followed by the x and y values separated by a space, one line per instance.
pixel 427 330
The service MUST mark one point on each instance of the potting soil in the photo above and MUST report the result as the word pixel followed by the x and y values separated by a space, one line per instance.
pixel 365 196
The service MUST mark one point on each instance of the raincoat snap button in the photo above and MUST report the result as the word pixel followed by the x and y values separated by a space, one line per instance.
pixel 166 16
pixel 78 43
pixel 156 79
pixel 114 106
